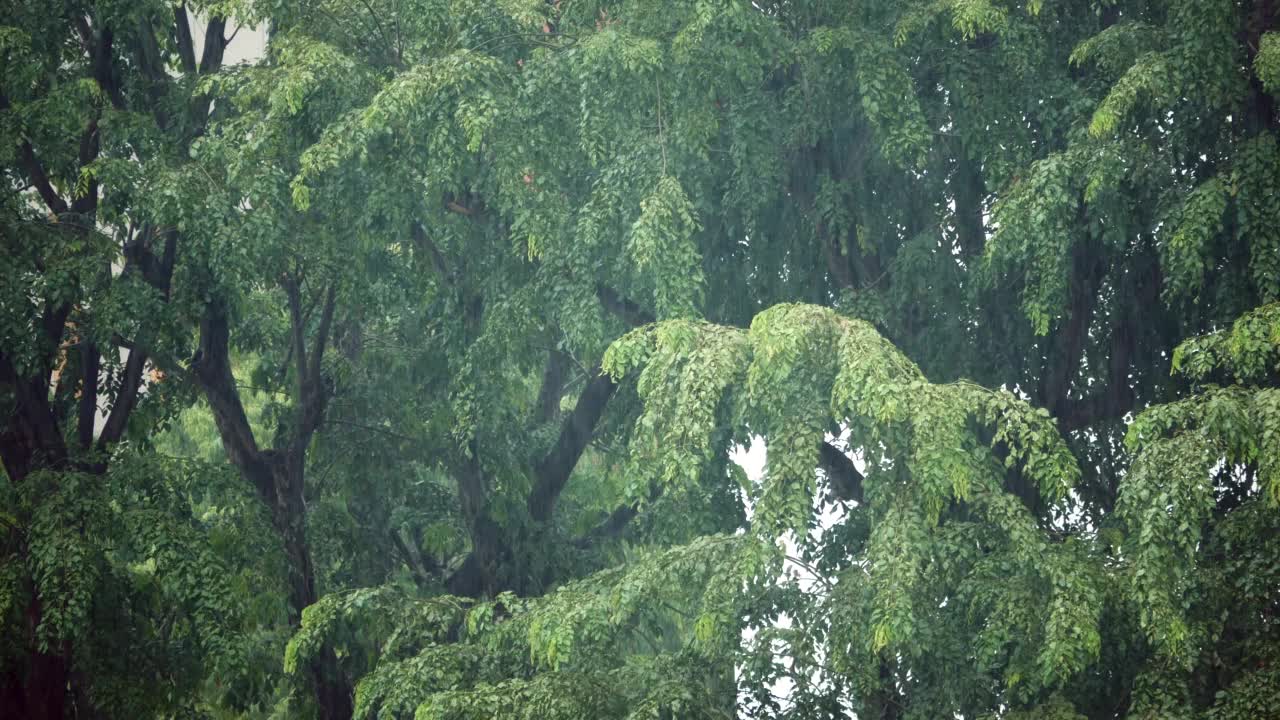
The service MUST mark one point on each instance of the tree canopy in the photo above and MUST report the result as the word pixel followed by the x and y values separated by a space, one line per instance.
pixel 406 368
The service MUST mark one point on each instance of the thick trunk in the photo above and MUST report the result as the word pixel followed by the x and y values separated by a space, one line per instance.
pixel 37 689
pixel 487 570
pixel 481 573
pixel 30 441
pixel 44 691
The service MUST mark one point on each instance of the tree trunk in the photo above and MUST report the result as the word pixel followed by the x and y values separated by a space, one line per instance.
pixel 278 474
pixel 332 689
pixel 39 690
pixel 285 474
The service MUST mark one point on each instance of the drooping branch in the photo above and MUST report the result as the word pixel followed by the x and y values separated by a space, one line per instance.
pixel 846 484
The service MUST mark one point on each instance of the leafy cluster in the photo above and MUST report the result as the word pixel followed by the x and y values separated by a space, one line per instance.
pixel 394 358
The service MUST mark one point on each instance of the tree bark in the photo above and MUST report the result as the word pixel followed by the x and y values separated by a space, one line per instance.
pixel 278 474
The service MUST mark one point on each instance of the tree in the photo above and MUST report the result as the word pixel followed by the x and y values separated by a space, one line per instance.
pixel 99 112
pixel 994 283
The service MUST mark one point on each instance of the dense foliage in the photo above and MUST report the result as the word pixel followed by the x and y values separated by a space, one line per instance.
pixel 401 370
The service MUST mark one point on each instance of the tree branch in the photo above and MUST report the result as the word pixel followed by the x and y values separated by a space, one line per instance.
pixel 158 274
pixel 211 368
pixel 215 42
pixel 553 471
pixel 552 385
pixel 1065 351
pixel 104 70
pixel 969 191
pixel 386 39
pixel 86 34
pixel 322 333
pixel 612 526
pixel 459 208
pixel 423 242
pixel 34 171
pixel 184 41
pixel 846 481
pixel 32 431
pixel 313 395
pixel 837 263
pixel 617 521
pixel 629 312
pixel 90 366
pixel 126 399
pixel 293 296
pixel 147 55
pixel 87 203
pixel 423 570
